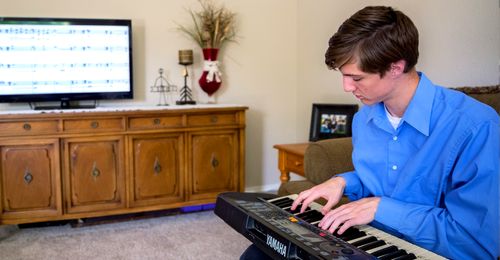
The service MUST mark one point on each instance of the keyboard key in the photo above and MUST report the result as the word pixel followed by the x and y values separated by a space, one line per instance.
pixel 372 245
pixel 364 241
pixel 393 255
pixel 310 216
pixel 385 251
pixel 406 257
pixel 353 236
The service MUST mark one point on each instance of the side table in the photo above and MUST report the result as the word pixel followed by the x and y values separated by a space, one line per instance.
pixel 291 159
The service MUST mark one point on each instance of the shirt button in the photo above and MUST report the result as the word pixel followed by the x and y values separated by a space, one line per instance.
pixel 395 138
pixel 394 167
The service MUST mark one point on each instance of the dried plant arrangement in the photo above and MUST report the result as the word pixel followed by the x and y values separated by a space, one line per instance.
pixel 212 27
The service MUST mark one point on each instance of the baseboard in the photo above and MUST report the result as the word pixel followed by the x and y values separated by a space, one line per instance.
pixel 270 188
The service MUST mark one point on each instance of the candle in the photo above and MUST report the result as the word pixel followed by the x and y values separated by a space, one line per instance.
pixel 186 57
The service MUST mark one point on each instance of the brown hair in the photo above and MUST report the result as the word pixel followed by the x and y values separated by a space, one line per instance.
pixel 375 37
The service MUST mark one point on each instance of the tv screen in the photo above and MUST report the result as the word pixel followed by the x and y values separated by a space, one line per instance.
pixel 58 59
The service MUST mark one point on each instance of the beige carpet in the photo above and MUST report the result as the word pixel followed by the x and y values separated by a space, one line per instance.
pixel 199 235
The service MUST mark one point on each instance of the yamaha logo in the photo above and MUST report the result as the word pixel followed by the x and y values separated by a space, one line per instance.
pixel 276 245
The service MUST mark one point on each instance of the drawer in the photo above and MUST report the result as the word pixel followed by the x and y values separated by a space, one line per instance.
pixel 29 127
pixel 294 163
pixel 212 119
pixel 155 122
pixel 91 125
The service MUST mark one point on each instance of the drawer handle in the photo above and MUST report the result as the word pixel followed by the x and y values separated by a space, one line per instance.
pixel 297 163
pixel 214 119
pixel 156 121
pixel 95 171
pixel 214 162
pixel 27 127
pixel 94 124
pixel 28 177
pixel 157 166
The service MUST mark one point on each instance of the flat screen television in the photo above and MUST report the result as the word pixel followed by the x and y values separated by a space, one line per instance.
pixel 65 60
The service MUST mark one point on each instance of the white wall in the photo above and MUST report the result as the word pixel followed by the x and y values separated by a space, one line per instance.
pixel 277 68
pixel 459 46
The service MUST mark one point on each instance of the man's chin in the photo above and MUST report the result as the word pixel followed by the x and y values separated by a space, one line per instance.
pixel 367 102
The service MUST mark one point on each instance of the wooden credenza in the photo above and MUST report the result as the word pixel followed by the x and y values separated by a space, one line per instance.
pixel 69 165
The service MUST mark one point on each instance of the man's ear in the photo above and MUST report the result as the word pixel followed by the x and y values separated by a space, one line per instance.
pixel 397 68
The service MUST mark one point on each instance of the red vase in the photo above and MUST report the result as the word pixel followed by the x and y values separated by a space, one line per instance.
pixel 210 79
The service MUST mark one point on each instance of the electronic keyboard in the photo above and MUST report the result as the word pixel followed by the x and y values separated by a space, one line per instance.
pixel 268 222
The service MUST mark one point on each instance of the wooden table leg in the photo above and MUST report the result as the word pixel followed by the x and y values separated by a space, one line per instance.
pixel 285 176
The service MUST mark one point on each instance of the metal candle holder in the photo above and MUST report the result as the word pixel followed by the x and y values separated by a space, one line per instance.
pixel 185 58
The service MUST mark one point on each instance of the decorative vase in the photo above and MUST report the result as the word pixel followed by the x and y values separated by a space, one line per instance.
pixel 210 79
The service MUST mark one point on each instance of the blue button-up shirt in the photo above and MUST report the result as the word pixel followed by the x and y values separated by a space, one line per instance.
pixel 437 173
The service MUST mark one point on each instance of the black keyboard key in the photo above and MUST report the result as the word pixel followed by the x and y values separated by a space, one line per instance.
pixel 310 216
pixel 364 241
pixel 304 214
pixel 283 203
pixel 393 255
pixel 314 219
pixel 348 232
pixel 289 209
pixel 385 251
pixel 372 245
pixel 281 200
pixel 353 236
pixel 406 257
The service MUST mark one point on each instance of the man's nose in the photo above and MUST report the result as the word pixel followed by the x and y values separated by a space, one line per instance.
pixel 348 85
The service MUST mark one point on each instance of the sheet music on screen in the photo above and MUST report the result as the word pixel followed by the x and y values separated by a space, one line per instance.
pixel 63 58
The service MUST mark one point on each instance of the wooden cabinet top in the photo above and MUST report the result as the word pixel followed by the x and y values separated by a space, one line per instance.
pixel 120 120
pixel 298 148
pixel 114 111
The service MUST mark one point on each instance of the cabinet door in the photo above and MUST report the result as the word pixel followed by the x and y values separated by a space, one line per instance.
pixel 214 165
pixel 157 175
pixel 30 178
pixel 93 174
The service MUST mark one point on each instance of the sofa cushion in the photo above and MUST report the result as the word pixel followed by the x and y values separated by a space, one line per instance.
pixel 294 187
pixel 325 158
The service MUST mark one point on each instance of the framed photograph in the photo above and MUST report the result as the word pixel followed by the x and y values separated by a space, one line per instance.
pixel 331 121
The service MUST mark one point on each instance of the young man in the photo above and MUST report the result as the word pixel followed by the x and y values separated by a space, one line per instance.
pixel 426 158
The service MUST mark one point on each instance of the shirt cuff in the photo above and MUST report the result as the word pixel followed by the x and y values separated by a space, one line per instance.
pixel 352 182
pixel 390 212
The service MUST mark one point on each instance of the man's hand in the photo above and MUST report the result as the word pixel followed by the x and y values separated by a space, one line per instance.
pixel 331 190
pixel 354 213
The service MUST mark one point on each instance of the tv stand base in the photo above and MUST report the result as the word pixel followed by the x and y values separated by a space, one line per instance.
pixel 65 104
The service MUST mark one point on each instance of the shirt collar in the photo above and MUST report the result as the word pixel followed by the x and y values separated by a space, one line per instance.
pixel 418 112
pixel 376 113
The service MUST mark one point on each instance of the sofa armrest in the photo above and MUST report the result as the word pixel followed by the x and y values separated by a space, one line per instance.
pixel 323 159
pixel 489 95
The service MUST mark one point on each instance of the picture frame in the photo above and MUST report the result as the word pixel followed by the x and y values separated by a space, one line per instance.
pixel 331 121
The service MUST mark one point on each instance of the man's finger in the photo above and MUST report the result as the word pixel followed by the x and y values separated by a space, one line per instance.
pixel 328 206
pixel 306 203
pixel 338 221
pixel 299 200
pixel 347 224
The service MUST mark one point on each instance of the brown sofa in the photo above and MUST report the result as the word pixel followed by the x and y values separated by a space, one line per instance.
pixel 325 158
